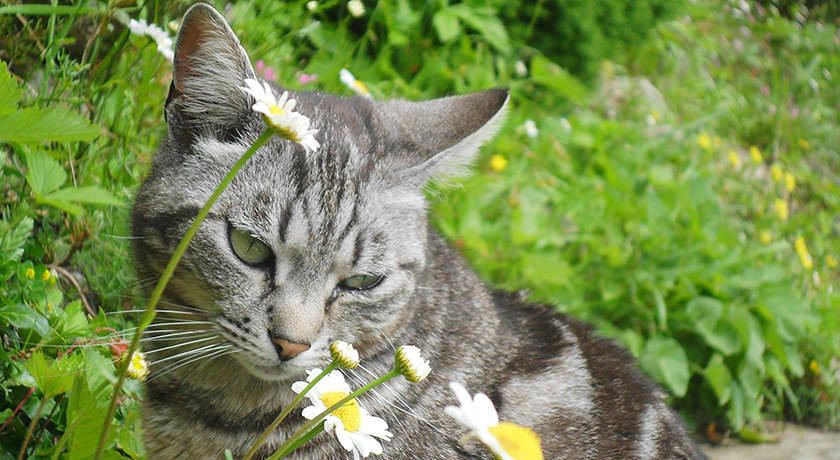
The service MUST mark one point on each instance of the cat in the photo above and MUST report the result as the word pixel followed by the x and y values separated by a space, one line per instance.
pixel 305 248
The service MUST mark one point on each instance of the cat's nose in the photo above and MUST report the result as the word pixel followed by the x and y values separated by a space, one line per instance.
pixel 286 349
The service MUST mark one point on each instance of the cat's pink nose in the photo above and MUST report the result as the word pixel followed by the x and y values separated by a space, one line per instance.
pixel 287 349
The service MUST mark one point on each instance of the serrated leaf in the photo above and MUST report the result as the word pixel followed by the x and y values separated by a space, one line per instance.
pixel 25 318
pixel 664 359
pixel 86 195
pixel 33 125
pixel 12 239
pixel 486 23
pixel 719 378
pixel 43 173
pixel 84 422
pixel 10 93
pixel 52 378
pixel 446 25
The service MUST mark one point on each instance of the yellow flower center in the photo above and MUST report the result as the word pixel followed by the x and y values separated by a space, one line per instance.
pixel 276 110
pixel 349 412
pixel 361 87
pixel 519 442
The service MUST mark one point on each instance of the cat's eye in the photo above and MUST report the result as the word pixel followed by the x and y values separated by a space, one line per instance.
pixel 361 282
pixel 249 249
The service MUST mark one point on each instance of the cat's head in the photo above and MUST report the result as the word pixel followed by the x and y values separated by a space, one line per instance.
pixel 302 248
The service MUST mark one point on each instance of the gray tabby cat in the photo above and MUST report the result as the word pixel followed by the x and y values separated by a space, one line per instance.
pixel 304 249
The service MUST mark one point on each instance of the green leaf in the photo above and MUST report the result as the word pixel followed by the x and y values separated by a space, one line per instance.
pixel 43 173
pixel 65 206
pixel 86 195
pixel 484 21
pixel 35 125
pixel 735 413
pixel 52 378
pixel 719 378
pixel 720 334
pixel 10 93
pixel 72 321
pixel 84 421
pixel 12 239
pixel 446 25
pixel 25 318
pixel 557 78
pixel 664 359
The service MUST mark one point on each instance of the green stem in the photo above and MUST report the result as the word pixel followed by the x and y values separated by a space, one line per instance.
pixel 287 447
pixel 31 429
pixel 286 410
pixel 305 438
pixel 149 314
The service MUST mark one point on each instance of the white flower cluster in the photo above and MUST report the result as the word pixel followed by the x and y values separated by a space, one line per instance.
pixel 162 39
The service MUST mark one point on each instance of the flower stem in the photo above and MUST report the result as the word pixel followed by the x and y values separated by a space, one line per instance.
pixel 289 446
pixel 154 298
pixel 286 410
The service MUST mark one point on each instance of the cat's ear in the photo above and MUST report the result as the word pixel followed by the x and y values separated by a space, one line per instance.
pixel 209 68
pixel 443 135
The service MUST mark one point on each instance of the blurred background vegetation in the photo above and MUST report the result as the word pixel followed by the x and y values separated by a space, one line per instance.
pixel 669 171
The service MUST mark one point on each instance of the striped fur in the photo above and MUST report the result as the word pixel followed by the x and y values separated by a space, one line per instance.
pixel 355 206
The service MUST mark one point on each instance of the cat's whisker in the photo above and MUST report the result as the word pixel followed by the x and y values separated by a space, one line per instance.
pixel 181 344
pixel 209 354
pixel 185 353
pixel 171 336
pixel 125 312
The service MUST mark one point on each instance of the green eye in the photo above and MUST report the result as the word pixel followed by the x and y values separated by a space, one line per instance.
pixel 361 282
pixel 249 249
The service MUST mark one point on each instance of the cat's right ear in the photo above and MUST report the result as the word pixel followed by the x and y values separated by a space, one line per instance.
pixel 209 68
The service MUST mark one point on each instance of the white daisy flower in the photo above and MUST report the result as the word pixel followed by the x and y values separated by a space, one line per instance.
pixel 138 368
pixel 507 441
pixel 356 8
pixel 356 85
pixel 521 68
pixel 162 39
pixel 531 129
pixel 345 354
pixel 280 114
pixel 411 363
pixel 356 430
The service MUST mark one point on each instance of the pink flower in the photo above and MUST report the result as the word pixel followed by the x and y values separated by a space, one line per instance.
pixel 306 78
pixel 267 72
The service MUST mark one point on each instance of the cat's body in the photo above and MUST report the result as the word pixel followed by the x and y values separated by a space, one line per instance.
pixel 354 207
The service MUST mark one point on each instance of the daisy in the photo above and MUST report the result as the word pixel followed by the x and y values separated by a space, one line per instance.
pixel 507 441
pixel 355 429
pixel 280 114
pixel 411 364
pixel 344 354
pixel 356 85
pixel 162 39
pixel 138 368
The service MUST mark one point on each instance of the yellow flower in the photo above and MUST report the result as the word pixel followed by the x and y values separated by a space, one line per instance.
pixel 765 237
pixel 46 275
pixel 790 182
pixel 777 173
pixel 802 252
pixel 507 441
pixel 815 367
pixel 498 163
pixel 138 368
pixel 831 261
pixel 30 273
pixel 756 155
pixel 734 159
pixel 781 208
pixel 704 141
pixel 804 144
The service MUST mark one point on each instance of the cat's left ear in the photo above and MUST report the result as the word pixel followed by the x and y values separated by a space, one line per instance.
pixel 440 138
pixel 209 69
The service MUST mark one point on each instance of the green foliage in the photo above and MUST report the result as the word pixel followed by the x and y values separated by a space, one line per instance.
pixel 579 34
pixel 637 206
